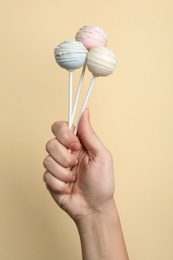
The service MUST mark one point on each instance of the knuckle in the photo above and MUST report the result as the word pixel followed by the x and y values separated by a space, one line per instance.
pixel 50 145
pixel 47 161
pixel 62 133
pixel 58 127
pixel 55 126
pixel 57 188
pixel 45 176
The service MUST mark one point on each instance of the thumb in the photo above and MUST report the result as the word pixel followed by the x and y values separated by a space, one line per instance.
pixel 87 136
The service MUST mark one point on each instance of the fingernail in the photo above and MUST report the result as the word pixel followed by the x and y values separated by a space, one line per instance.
pixel 75 146
pixel 73 178
pixel 76 162
pixel 68 190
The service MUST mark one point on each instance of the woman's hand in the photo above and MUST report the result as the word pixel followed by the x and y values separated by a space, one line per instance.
pixel 79 171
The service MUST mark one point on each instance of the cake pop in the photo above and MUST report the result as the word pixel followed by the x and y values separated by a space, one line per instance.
pixel 90 36
pixel 100 62
pixel 70 55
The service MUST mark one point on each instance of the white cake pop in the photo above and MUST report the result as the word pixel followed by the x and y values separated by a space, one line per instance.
pixel 101 61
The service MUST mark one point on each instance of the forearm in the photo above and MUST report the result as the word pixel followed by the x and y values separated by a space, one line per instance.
pixel 101 236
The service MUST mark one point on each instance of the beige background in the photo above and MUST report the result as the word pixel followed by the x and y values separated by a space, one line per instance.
pixel 131 111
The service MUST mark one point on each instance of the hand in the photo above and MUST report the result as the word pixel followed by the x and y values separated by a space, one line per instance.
pixel 81 181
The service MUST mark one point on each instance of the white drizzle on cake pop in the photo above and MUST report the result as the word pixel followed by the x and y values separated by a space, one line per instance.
pixel 91 36
pixel 70 55
pixel 101 61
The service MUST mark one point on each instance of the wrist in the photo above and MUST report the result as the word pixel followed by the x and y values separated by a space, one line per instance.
pixel 101 235
pixel 96 217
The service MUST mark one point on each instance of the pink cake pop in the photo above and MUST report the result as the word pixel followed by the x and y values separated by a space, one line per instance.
pixel 91 36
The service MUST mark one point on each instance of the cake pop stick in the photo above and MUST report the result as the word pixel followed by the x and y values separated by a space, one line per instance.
pixel 78 92
pixel 70 91
pixel 85 102
pixel 100 62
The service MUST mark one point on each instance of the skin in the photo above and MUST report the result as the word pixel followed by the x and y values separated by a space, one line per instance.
pixel 79 176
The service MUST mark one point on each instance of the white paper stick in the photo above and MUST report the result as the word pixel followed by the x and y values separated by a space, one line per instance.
pixel 70 100
pixel 85 102
pixel 78 92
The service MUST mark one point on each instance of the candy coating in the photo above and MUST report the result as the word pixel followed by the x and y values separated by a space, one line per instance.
pixel 101 61
pixel 91 36
pixel 70 55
